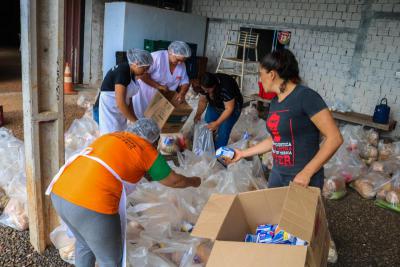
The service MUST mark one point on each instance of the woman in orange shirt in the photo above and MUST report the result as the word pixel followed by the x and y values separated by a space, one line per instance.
pixel 89 192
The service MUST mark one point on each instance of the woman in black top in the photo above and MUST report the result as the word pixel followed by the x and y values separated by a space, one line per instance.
pixel 117 89
pixel 297 117
pixel 222 95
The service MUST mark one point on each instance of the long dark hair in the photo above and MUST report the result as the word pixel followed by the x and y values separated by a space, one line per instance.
pixel 285 64
pixel 209 80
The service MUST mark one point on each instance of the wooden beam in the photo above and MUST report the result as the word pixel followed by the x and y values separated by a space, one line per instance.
pixel 363 119
pixel 42 43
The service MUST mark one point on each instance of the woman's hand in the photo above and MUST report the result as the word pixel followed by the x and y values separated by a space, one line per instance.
pixel 213 126
pixel 303 178
pixel 179 98
pixel 238 156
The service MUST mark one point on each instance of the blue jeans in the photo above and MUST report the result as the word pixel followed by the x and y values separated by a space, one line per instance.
pixel 96 113
pixel 277 179
pixel 224 130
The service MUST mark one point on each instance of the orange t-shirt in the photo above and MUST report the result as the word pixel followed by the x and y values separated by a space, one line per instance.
pixel 88 184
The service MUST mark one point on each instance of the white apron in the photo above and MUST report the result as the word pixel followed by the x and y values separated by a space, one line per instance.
pixel 160 72
pixel 110 117
pixel 122 203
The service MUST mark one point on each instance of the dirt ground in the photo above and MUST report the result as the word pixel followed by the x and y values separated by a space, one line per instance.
pixel 365 235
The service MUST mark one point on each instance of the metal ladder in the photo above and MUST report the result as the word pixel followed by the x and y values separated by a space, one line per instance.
pixel 236 39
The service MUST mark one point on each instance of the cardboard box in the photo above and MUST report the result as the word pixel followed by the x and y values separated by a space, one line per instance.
pixel 168 115
pixel 299 211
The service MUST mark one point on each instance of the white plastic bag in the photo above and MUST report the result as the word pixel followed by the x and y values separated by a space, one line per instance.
pixel 64 243
pixel 203 140
pixel 80 134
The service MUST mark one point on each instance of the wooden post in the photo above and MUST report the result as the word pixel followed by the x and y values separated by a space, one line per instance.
pixel 42 41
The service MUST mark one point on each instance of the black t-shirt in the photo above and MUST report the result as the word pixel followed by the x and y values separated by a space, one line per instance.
pixel 295 138
pixel 119 74
pixel 226 90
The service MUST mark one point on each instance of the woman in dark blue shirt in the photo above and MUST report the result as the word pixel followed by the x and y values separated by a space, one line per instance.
pixel 297 117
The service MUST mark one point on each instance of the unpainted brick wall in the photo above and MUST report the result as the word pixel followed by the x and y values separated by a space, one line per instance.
pixel 348 50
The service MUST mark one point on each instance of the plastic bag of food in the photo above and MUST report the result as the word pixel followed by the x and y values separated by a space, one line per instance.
pixel 203 140
pixel 334 188
pixel 385 150
pixel 12 161
pixel 352 136
pixel 15 215
pixel 133 230
pixel 170 144
pixel 389 166
pixel 372 137
pixel 332 255
pixel 368 152
pixel 141 256
pixel 346 163
pixel 371 183
pixel 64 243
pixel 179 248
pixel 15 212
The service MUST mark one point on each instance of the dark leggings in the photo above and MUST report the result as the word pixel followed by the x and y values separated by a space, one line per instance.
pixel 277 179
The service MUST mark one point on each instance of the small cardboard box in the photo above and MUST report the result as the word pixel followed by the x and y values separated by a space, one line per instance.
pixel 299 211
pixel 168 115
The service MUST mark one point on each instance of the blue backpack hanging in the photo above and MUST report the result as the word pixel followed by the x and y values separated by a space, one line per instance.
pixel 381 113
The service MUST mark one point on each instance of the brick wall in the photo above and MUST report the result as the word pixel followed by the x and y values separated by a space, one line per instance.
pixel 348 50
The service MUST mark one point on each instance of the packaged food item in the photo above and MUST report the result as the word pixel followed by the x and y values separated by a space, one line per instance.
pixel 393 198
pixel 381 194
pixel 372 137
pixel 385 150
pixel 251 238
pixel 334 187
pixel 332 255
pixel 364 188
pixel 224 153
pixel 170 144
pixel 369 152
pixel 272 234
pixel 371 183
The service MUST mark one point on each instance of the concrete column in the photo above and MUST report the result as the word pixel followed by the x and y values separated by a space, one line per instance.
pixel 93 42
pixel 42 46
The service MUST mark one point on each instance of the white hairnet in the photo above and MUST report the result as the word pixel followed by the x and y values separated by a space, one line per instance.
pixel 146 128
pixel 141 58
pixel 180 48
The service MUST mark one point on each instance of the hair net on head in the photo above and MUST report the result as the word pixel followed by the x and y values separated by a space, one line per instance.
pixel 141 58
pixel 180 48
pixel 146 128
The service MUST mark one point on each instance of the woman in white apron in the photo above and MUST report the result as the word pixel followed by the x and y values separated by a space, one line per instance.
pixel 89 192
pixel 168 72
pixel 117 89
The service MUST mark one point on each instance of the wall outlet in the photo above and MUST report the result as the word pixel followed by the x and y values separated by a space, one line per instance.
pixel 397 74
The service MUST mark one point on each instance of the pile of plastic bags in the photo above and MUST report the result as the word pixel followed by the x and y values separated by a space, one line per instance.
pixel 82 132
pixel 13 196
pixel 369 164
pixel 160 218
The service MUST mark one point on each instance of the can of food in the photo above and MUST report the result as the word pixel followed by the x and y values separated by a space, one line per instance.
pixel 225 153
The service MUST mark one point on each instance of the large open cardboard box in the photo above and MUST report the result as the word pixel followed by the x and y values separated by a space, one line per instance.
pixel 168 115
pixel 299 211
